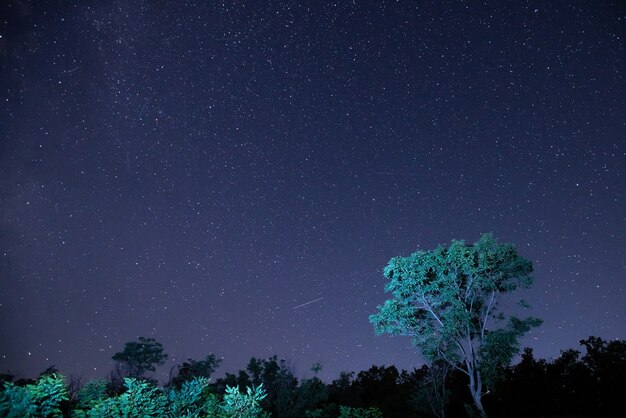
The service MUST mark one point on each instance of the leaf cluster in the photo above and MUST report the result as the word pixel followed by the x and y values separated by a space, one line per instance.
pixel 41 399
pixel 244 405
pixel 450 294
pixel 349 412
pixel 447 300
pixel 141 399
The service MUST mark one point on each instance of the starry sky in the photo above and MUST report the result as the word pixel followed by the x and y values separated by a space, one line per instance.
pixel 195 171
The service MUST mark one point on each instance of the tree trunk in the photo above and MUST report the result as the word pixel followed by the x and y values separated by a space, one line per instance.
pixel 476 391
pixel 478 403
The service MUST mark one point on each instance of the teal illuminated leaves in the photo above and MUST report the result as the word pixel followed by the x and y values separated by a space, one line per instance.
pixel 447 299
pixel 41 399
pixel 244 405
pixel 140 399
pixel 501 345
pixel 92 393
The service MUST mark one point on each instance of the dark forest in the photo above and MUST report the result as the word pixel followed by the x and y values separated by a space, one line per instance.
pixel 587 381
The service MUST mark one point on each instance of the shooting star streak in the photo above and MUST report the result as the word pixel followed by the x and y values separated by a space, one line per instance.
pixel 143 108
pixel 308 303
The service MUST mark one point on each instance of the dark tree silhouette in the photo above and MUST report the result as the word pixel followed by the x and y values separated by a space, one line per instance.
pixel 585 383
pixel 192 368
pixel 606 362
pixel 384 388
pixel 140 357
pixel 276 377
pixel 525 386
pixel 434 389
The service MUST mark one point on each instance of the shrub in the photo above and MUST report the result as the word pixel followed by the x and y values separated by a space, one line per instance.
pixel 40 399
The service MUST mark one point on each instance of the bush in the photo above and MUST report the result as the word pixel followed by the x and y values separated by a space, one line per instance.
pixel 141 399
pixel 348 412
pixel 41 399
pixel 245 405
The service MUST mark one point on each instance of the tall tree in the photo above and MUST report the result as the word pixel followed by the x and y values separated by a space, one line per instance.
pixel 140 357
pixel 447 300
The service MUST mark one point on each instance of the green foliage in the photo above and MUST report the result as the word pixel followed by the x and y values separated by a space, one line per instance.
pixel 41 399
pixel 48 394
pixel 285 398
pixel 348 412
pixel 140 400
pixel 240 405
pixel 15 402
pixel 192 399
pixel 314 413
pixel 500 346
pixel 140 357
pixel 92 393
pixel 278 381
pixel 447 301
pixel 589 383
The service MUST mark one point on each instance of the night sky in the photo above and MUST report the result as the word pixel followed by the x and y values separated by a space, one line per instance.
pixel 195 171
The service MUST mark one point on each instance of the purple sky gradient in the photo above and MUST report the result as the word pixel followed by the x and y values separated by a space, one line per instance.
pixel 193 173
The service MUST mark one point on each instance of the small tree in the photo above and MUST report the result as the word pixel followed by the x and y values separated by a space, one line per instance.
pixel 447 300
pixel 191 369
pixel 140 357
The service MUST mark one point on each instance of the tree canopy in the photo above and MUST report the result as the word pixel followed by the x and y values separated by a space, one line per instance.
pixel 140 357
pixel 447 300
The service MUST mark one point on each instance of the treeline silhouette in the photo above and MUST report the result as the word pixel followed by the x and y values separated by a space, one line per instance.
pixel 590 382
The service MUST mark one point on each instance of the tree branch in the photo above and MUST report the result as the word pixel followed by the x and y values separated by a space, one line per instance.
pixel 450 362
pixel 429 309
pixel 489 307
